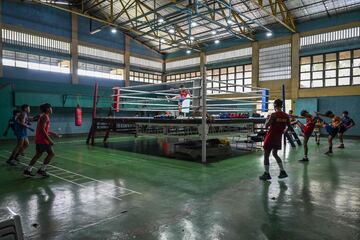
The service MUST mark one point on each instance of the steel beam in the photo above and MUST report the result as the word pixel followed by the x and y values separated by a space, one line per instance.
pixel 278 7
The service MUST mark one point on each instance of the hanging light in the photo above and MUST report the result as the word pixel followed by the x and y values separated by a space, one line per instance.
pixel 191 38
pixel 217 41
pixel 113 30
pixel 269 34
pixel 171 30
pixel 161 20
pixel 188 51
pixel 194 24
pixel 230 22
pixel 213 32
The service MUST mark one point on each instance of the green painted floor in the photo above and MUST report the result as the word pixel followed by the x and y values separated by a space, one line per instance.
pixel 105 193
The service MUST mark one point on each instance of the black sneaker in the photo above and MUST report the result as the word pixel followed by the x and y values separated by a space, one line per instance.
pixel 304 160
pixel 12 162
pixel 265 176
pixel 318 143
pixel 43 173
pixel 283 174
pixel 27 173
pixel 328 153
pixel 341 146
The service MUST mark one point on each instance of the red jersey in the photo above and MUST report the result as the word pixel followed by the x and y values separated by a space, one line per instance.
pixel 275 131
pixel 184 93
pixel 309 127
pixel 39 135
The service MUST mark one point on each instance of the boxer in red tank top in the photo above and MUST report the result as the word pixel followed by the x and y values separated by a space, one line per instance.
pixel 183 94
pixel 43 142
pixel 307 129
pixel 276 124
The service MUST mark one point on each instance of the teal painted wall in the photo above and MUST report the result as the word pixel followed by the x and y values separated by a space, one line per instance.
pixel 335 104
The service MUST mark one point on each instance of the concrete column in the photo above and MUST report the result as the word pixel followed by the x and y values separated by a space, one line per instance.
pixel 127 61
pixel 295 66
pixel 163 75
pixel 1 43
pixel 255 64
pixel 74 50
pixel 203 106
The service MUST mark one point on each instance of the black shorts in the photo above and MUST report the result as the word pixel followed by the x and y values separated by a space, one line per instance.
pixel 40 148
pixel 342 129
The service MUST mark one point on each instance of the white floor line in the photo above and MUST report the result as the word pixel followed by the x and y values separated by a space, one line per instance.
pixel 78 184
pixel 94 224
pixel 125 194
pixel 93 179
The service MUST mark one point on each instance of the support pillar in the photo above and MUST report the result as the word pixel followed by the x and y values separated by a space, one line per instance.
pixel 255 64
pixel 127 61
pixel 163 74
pixel 295 67
pixel 203 93
pixel 74 63
pixel 1 43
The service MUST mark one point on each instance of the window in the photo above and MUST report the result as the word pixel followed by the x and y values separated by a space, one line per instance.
pixel 330 36
pixel 330 70
pixel 230 79
pixel 145 77
pixel 99 71
pixel 96 53
pixel 275 63
pixel 35 62
pixel 145 63
pixel 185 63
pixel 226 79
pixel 34 41
pixel 182 76
pixel 229 55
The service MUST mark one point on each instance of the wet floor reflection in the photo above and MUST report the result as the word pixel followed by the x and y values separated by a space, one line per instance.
pixel 179 148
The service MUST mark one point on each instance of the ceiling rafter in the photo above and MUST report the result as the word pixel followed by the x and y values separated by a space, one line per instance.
pixel 278 7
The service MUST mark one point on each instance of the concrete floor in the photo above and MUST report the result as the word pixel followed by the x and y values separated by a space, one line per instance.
pixel 104 193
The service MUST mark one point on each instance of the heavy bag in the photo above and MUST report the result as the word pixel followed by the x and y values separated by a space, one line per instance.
pixel 116 99
pixel 78 116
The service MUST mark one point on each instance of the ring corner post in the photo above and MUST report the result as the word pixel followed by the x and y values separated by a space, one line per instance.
pixel 204 134
pixel 91 135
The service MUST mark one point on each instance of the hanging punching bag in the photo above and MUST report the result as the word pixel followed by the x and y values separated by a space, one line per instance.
pixel 78 116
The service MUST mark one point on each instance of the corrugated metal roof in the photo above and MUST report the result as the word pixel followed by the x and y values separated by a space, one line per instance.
pixel 143 17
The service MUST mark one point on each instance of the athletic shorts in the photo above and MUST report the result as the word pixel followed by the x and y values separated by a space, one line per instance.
pixel 332 131
pixel 342 129
pixel 40 148
pixel 21 137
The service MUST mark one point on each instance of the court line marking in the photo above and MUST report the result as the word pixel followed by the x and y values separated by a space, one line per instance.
pixel 66 180
pixel 92 178
pixel 84 177
pixel 96 223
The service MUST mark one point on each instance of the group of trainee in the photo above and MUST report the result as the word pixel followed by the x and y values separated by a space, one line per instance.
pixel 278 122
pixel 20 123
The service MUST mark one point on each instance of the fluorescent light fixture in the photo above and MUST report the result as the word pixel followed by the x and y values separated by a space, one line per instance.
pixel 230 22
pixel 191 38
pixel 269 34
pixel 213 32
pixel 162 40
pixel 171 31
pixel 217 41
pixel 188 51
pixel 194 24
pixel 95 31
pixel 113 30
pixel 161 20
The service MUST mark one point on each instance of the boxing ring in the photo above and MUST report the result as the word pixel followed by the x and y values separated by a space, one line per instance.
pixel 197 116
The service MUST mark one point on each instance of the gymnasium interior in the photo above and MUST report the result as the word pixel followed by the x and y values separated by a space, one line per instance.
pixel 160 109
